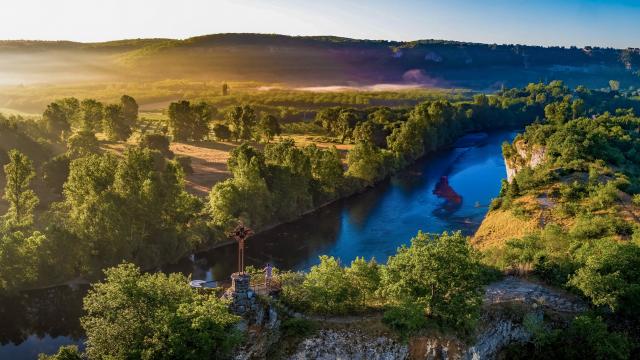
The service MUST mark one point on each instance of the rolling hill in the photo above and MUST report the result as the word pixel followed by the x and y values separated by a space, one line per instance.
pixel 305 61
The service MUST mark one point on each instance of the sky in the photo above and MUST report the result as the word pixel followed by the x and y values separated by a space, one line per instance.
pixel 538 22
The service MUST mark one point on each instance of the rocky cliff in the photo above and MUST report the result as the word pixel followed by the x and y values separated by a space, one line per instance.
pixel 520 155
pixel 353 338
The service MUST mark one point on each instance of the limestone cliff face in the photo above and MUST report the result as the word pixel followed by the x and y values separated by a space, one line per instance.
pixel 497 329
pixel 523 155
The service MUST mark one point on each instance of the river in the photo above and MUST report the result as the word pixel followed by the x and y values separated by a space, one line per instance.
pixel 447 191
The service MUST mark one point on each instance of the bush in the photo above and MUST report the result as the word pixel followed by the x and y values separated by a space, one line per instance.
pixel 157 142
pixel 406 318
pixel 185 162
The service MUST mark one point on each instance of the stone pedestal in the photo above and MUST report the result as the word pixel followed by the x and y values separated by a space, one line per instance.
pixel 243 300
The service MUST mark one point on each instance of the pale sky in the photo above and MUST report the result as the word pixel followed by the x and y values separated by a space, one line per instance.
pixel 542 22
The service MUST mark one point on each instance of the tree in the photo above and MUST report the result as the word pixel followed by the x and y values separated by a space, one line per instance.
pixel 234 118
pixel 328 288
pixel 71 108
pixel 611 276
pixel 242 119
pixel 345 124
pixel 364 276
pixel 19 257
pixel 115 125
pixel 180 120
pixel 441 273
pixel 247 122
pixel 129 110
pixel 157 142
pixel 222 132
pixel 365 162
pixel 326 167
pixel 269 127
pixel 22 199
pixel 69 352
pixel 225 89
pixel 131 315
pixel 201 114
pixel 56 120
pixel 92 114
pixel 245 197
pixel 82 143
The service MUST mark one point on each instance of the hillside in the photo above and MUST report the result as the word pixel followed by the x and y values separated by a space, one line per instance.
pixel 314 61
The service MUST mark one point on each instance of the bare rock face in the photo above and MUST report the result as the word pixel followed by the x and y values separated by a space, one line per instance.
pixel 492 336
pixel 525 156
pixel 349 345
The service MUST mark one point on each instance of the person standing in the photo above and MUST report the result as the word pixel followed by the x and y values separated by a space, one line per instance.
pixel 268 271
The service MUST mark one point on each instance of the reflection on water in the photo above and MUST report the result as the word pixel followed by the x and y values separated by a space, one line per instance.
pixel 448 191
pixel 39 321
pixel 371 224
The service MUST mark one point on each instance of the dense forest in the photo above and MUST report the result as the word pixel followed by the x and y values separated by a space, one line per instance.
pixel 89 208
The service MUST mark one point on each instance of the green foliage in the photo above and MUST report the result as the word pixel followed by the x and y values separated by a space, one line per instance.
pixel 117 207
pixel 92 114
pixel 114 124
pixel 441 274
pixel 69 352
pixel 328 288
pixel 586 337
pixel 242 119
pixel 610 276
pixel 22 200
pixel 19 257
pixel 269 127
pixel 56 120
pixel 82 143
pixel 221 132
pixel 131 315
pixel 365 162
pixel 156 142
pixel 405 318
pixel 189 121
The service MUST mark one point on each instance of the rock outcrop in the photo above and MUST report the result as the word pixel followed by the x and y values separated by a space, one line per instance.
pixel 353 345
pixel 494 334
pixel 523 155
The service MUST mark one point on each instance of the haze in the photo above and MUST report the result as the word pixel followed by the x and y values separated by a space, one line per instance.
pixel 545 22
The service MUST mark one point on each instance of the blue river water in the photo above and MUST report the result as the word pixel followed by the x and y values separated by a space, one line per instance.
pixel 447 191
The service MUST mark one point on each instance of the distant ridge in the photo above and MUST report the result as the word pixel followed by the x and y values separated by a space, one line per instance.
pixel 319 60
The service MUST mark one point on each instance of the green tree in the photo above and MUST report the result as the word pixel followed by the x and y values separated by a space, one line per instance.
pixel 234 118
pixel 92 114
pixel 180 120
pixel 129 110
pixel 69 352
pixel 269 127
pixel 201 114
pixel 329 289
pixel 115 125
pixel 345 124
pixel 364 276
pixel 56 120
pixel 20 252
pixel 222 132
pixel 82 143
pixel 326 167
pixel 365 162
pixel 22 199
pixel 441 273
pixel 71 108
pixel 131 315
